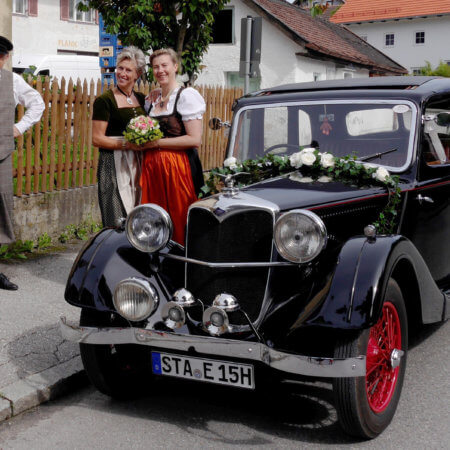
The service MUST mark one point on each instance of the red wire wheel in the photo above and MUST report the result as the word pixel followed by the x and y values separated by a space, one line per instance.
pixel 381 377
pixel 366 405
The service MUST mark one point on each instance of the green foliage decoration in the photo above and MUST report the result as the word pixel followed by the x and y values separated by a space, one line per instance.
pixel 316 166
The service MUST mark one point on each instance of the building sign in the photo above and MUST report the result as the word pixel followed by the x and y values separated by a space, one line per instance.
pixel 86 43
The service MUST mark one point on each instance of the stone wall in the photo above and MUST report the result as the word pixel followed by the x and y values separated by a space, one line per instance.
pixel 50 213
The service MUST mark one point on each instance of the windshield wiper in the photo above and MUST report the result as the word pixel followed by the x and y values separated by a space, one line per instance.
pixel 377 155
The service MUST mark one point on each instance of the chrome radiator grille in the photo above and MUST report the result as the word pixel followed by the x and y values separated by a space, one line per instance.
pixel 245 236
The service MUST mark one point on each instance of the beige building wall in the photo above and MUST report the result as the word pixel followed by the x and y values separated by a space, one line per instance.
pixel 6 22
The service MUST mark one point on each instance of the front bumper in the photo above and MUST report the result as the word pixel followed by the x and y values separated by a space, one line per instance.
pixel 255 351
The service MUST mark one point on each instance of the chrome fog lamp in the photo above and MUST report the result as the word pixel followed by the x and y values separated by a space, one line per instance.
pixel 183 298
pixel 135 299
pixel 300 235
pixel 173 315
pixel 215 321
pixel 149 228
pixel 226 302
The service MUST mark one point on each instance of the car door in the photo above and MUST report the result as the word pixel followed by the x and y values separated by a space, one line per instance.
pixel 427 218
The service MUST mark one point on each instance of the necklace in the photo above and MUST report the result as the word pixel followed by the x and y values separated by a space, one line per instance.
pixel 129 101
pixel 163 99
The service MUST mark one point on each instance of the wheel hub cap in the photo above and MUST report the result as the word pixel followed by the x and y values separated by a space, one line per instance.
pixel 396 357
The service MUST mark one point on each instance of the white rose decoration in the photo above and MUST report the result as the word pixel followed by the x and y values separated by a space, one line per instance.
pixel 307 158
pixel 230 163
pixel 308 149
pixel 295 160
pixel 369 166
pixel 306 180
pixel 324 179
pixel 296 176
pixel 327 160
pixel 381 174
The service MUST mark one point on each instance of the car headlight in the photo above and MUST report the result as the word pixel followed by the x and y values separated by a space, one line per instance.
pixel 135 299
pixel 300 235
pixel 149 228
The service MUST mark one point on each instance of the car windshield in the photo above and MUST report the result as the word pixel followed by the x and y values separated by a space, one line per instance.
pixel 375 131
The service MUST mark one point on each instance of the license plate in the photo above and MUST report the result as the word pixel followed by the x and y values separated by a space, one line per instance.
pixel 209 370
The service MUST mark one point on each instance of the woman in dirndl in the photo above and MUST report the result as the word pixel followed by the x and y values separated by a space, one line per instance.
pixel 118 167
pixel 172 174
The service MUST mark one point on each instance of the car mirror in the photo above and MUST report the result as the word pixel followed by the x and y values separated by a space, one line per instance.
pixel 443 119
pixel 216 124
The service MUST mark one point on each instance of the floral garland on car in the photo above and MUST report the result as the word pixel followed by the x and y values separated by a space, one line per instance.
pixel 315 166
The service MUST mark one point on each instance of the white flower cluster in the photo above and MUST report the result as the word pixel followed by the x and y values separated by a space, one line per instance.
pixel 308 156
pixel 381 174
pixel 230 162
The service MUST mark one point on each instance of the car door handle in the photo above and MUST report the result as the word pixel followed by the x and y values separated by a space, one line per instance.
pixel 421 199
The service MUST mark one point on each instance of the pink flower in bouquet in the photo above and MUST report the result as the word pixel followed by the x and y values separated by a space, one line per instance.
pixel 142 129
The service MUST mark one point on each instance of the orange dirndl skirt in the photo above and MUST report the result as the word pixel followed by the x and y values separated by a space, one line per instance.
pixel 167 181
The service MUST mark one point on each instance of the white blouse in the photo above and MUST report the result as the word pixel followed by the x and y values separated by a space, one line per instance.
pixel 31 99
pixel 190 104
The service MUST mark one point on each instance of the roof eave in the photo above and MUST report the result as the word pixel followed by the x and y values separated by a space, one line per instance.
pixel 373 68
pixel 312 50
pixel 277 23
pixel 389 19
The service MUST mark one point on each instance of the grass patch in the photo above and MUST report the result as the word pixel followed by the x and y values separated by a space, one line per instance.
pixel 45 244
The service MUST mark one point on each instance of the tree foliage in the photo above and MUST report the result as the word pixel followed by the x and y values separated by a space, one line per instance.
pixel 185 26
pixel 442 70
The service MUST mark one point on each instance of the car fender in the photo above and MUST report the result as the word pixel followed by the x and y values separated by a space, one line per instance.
pixel 358 285
pixel 107 259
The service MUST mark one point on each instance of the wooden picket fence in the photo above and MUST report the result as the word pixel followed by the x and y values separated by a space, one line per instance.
pixel 57 153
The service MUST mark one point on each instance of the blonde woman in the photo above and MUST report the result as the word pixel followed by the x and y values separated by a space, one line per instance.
pixel 118 168
pixel 171 172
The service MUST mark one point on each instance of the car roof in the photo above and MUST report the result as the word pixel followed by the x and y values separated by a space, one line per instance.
pixel 360 83
pixel 408 87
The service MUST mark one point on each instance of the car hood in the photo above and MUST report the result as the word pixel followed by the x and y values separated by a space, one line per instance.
pixel 293 191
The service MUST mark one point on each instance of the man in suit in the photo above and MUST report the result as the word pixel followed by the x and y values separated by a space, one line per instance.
pixel 13 90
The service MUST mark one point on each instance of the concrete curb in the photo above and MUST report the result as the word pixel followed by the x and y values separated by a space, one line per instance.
pixel 39 388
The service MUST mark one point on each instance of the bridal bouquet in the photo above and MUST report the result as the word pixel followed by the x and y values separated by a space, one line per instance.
pixel 142 129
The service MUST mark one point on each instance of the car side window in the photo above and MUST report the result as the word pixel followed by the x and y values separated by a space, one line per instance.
pixel 437 146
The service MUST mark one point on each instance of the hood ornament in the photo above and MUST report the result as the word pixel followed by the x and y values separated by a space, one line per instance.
pixel 230 189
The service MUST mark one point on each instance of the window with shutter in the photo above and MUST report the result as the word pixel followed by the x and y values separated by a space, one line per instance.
pixel 64 9
pixel 33 8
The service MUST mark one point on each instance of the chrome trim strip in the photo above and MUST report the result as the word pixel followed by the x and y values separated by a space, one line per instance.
pixel 286 362
pixel 347 101
pixel 228 206
pixel 226 265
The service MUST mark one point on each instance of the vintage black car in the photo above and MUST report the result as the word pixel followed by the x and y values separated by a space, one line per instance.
pixel 286 278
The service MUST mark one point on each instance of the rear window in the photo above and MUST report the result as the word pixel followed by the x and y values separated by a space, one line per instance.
pixel 370 121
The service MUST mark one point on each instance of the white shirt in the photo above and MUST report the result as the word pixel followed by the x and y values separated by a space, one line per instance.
pixel 30 99
pixel 190 104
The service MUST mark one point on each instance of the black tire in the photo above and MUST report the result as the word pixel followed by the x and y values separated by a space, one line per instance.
pixel 365 411
pixel 120 371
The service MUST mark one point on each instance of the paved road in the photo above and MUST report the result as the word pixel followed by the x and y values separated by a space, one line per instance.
pixel 196 416
pixel 30 340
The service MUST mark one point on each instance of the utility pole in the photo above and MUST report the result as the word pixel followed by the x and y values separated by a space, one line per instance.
pixel 250 56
